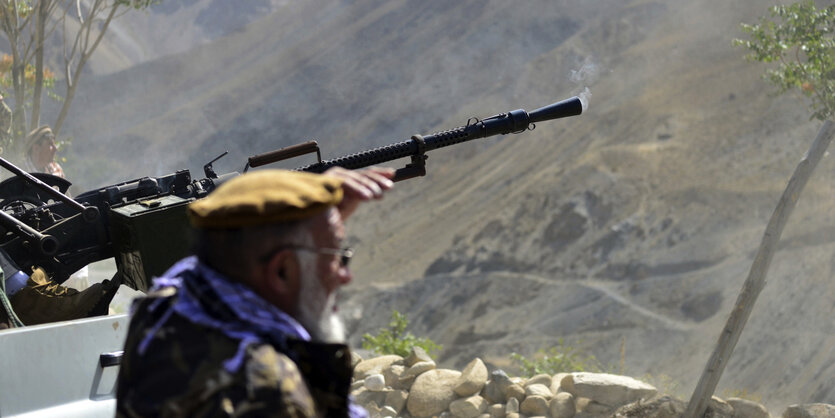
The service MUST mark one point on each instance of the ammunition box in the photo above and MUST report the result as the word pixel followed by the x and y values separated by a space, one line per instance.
pixel 149 236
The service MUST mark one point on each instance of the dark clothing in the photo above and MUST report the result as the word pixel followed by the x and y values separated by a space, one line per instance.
pixel 189 352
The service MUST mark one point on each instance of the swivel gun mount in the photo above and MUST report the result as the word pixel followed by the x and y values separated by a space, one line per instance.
pixel 515 121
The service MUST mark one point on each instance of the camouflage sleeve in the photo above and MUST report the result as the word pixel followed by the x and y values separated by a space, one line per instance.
pixel 269 386
pixel 181 374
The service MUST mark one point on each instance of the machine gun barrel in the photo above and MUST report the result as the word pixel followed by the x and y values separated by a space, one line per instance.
pixel 515 121
pixel 43 244
pixel 90 214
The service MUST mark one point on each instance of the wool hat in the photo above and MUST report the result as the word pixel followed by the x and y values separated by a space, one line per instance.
pixel 265 197
pixel 35 135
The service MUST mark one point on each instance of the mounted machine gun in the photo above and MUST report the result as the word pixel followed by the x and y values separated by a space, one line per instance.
pixel 142 222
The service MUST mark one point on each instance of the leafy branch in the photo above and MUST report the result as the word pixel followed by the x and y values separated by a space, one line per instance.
pixel 799 39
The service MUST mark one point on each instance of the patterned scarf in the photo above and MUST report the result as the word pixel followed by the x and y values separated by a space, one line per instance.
pixel 207 298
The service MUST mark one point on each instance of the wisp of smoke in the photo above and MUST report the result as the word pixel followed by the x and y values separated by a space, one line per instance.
pixel 584 96
pixel 585 76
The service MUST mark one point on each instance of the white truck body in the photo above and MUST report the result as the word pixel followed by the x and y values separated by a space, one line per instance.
pixel 62 369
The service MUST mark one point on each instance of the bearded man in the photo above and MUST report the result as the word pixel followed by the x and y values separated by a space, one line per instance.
pixel 248 326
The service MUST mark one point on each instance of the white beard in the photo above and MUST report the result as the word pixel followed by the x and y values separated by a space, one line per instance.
pixel 316 310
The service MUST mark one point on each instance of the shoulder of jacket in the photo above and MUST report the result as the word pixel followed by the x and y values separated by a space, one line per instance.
pixel 270 370
pixel 265 366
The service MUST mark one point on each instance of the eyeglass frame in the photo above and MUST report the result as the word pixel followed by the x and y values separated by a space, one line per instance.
pixel 345 253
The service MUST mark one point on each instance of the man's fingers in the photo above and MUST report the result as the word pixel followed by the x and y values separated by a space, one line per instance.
pixel 378 179
pixel 369 183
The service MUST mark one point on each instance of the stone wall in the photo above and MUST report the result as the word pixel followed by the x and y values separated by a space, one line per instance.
pixel 393 386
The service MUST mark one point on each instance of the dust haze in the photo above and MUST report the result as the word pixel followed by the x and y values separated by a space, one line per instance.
pixel 634 223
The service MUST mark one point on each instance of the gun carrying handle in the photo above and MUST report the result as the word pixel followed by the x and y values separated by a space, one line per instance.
pixel 417 168
pixel 408 172
pixel 285 153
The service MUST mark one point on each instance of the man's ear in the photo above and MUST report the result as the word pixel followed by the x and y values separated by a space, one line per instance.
pixel 281 280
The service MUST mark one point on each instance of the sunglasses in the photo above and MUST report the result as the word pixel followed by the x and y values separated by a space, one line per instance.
pixel 344 254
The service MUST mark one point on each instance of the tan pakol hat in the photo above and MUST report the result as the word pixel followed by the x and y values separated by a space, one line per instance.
pixel 35 135
pixel 265 197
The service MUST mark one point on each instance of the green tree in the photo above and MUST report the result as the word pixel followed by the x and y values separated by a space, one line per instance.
pixel 395 339
pixel 28 26
pixel 798 40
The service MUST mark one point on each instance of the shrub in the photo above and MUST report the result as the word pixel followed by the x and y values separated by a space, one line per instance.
pixel 560 359
pixel 395 339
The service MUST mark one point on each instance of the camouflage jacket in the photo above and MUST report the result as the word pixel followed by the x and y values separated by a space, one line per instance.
pixel 180 371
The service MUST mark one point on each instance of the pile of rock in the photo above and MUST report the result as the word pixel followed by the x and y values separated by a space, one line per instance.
pixel 393 386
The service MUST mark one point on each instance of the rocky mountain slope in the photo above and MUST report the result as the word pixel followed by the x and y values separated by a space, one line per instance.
pixel 173 27
pixel 633 225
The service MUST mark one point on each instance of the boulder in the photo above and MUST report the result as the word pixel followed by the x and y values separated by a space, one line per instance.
pixel 469 407
pixel 388 411
pixel 512 406
pixel 375 383
pixel 555 383
pixel 417 369
pixel 356 384
pixel 365 397
pixel 396 399
pixel 810 410
pixel 596 408
pixel 355 359
pixel 473 378
pixel 607 389
pixel 717 408
pixel 405 383
pixel 392 375
pixel 743 408
pixel 562 405
pixel 534 406
pixel 538 389
pixel 432 392
pixel 374 366
pixel 494 390
pixel 496 410
pixel 515 391
pixel 417 355
pixel 374 411
pixel 540 379
pixel 657 407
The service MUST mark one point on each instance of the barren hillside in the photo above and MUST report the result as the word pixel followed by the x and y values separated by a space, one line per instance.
pixel 634 223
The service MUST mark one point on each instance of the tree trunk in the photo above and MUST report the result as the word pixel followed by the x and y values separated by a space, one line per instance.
pixel 756 277
pixel 85 53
